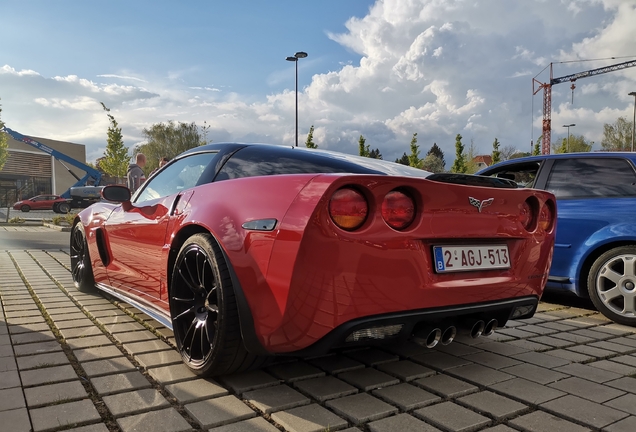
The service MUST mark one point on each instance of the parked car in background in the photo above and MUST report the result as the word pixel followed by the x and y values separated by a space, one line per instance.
pixel 40 202
pixel 595 249
pixel 248 251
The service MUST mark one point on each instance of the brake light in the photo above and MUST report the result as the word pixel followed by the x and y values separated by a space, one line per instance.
pixel 546 216
pixel 398 210
pixel 526 216
pixel 348 209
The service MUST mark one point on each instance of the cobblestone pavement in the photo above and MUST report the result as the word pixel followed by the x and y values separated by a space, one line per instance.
pixel 72 361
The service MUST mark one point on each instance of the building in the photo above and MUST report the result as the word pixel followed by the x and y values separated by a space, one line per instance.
pixel 30 171
pixel 482 161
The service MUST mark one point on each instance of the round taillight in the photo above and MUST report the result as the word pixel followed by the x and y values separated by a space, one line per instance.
pixel 398 210
pixel 546 216
pixel 348 209
pixel 526 215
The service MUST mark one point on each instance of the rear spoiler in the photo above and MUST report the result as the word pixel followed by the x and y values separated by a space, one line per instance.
pixel 473 180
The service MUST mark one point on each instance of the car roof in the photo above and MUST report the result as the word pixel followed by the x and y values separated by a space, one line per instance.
pixel 539 158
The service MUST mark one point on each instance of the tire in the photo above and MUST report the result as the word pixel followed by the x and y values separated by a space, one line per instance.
pixel 612 284
pixel 63 208
pixel 25 208
pixel 81 268
pixel 203 310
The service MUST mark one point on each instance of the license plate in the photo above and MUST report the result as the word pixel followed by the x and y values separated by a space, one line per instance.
pixel 463 258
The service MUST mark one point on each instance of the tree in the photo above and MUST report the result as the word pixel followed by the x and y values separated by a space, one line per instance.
pixel 470 162
pixel 436 151
pixel 536 150
pixel 459 166
pixel 363 150
pixel 168 139
pixel 414 157
pixel 496 154
pixel 404 160
pixel 4 144
pixel 204 133
pixel 433 164
pixel 507 151
pixel 116 159
pixel 375 154
pixel 617 136
pixel 576 144
pixel 310 139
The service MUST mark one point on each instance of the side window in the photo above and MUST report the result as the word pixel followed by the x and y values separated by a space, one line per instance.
pixel 181 174
pixel 592 178
pixel 523 174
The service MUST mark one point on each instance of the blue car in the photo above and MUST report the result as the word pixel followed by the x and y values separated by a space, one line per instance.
pixel 595 249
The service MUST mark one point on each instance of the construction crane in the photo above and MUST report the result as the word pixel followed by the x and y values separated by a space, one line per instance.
pixel 547 95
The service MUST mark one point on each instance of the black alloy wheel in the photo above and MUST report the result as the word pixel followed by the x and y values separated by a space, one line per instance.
pixel 81 269
pixel 203 309
pixel 25 208
pixel 63 208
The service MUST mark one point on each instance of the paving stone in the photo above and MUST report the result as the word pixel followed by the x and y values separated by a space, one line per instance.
pixel 492 360
pixel 406 370
pixel 134 336
pixel 220 411
pixel 108 366
pixel 587 389
pixel 571 356
pixel 325 388
pixel 54 416
pixel 407 349
pixel 540 421
pixel 247 381
pixel 258 424
pixel 165 420
pixel 406 396
pixel 278 398
pixel 516 332
pixel 576 338
pixel 611 346
pixel 159 358
pixel 624 403
pixel 535 373
pixel 98 353
pixel 626 425
pixel 11 399
pixel 31 337
pixel 368 379
pixel 457 348
pixel 372 356
pixel 80 332
pixel 591 333
pixel 88 342
pixel 310 418
pixel 360 408
pixel 627 384
pixel 147 347
pixel 590 351
pixel 541 359
pixel 172 374
pixel 552 341
pixel 439 360
pixel 529 345
pixel 294 371
pixel 495 405
pixel 196 390
pixel 583 411
pixel 446 386
pixel 499 428
pixel 615 367
pixel 135 402
pixel 629 360
pixel 558 326
pixel 54 393
pixel 336 363
pixel 527 391
pixel 26 320
pixel 37 348
pixel 59 317
pixel 502 348
pixel 402 423
pixel 124 327
pixel 77 323
pixel 628 341
pixel 27 328
pixel 120 382
pixel 16 420
pixel 48 375
pixel 7 364
pixel 480 374
pixel 116 319
pixel 588 372
pixel 6 350
pixel 450 416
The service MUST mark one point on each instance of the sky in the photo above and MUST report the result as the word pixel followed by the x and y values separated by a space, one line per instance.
pixel 383 69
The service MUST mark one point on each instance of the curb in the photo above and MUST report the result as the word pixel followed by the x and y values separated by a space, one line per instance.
pixel 57 227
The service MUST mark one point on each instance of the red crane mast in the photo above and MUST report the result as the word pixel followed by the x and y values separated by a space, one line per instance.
pixel 547 95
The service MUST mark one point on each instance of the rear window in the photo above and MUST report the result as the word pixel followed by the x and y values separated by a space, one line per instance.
pixel 592 178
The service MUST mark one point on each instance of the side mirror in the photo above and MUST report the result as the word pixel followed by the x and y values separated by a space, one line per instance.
pixel 117 193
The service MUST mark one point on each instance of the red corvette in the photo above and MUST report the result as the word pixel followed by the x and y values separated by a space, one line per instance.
pixel 252 250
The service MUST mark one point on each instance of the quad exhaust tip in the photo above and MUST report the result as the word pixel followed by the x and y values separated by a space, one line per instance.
pixel 431 340
pixel 477 329
pixel 490 327
pixel 448 335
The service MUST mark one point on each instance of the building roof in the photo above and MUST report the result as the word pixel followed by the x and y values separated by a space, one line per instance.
pixel 485 159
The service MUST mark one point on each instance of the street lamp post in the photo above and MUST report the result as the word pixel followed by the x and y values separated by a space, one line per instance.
pixel 295 58
pixel 569 126
pixel 634 123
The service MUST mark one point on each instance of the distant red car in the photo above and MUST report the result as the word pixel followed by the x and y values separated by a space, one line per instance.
pixel 40 202
pixel 247 251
